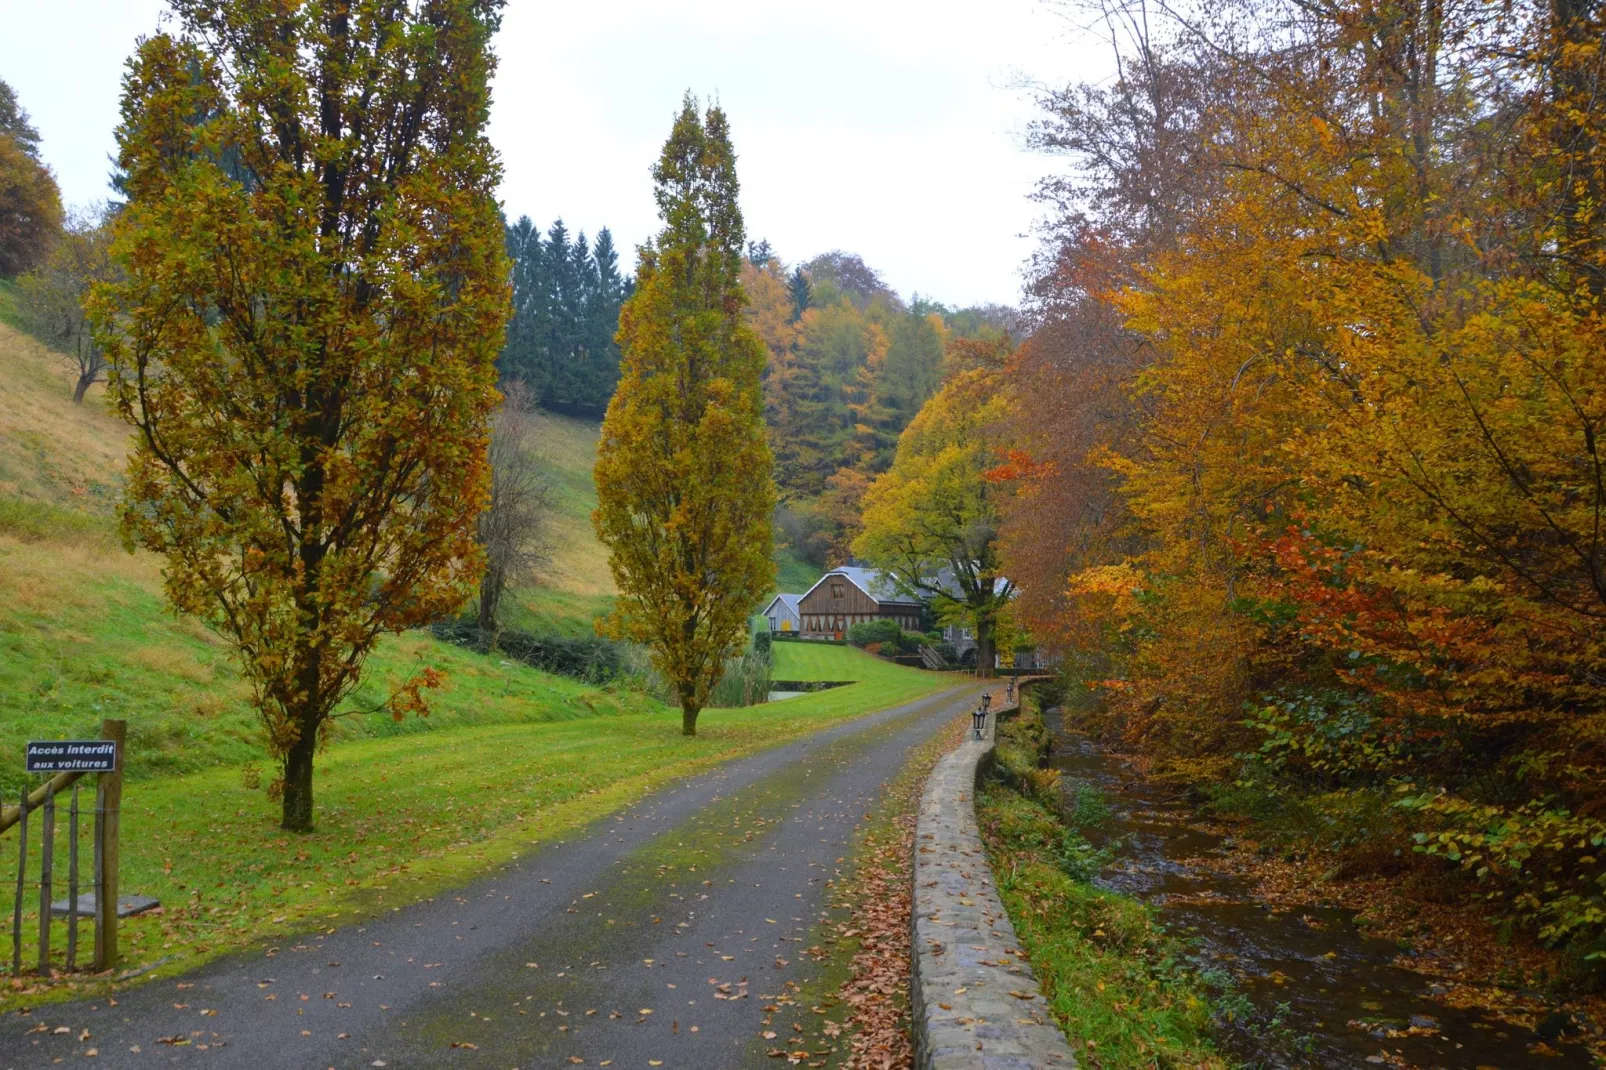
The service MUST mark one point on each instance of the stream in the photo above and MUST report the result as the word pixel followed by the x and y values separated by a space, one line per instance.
pixel 1312 971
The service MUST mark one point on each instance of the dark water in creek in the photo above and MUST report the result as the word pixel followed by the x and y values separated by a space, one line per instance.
pixel 1311 969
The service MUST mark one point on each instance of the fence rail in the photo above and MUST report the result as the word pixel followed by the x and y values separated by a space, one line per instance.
pixel 106 857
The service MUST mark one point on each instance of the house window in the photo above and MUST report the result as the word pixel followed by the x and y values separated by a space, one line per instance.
pixel 837 591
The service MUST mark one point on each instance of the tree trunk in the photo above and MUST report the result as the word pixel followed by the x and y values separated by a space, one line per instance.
pixel 298 782
pixel 984 646
pixel 688 717
pixel 85 381
pixel 491 585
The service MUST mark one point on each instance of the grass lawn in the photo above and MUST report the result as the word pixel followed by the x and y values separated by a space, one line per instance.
pixel 84 635
pixel 408 816
pixel 827 661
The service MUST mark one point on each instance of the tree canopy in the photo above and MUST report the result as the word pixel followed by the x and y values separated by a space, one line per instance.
pixel 304 339
pixel 30 203
pixel 683 469
pixel 931 520
pixel 1309 459
pixel 567 293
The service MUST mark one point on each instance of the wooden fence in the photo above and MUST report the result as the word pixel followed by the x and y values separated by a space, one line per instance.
pixel 106 814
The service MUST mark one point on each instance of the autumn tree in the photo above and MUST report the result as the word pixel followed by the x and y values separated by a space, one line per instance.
pixel 15 123
pixel 30 202
pixel 683 470
pixel 1322 305
pixel 510 528
pixel 53 296
pixel 305 337
pixel 931 520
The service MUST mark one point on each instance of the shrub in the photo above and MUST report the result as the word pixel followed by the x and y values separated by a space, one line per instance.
pixel 881 631
pixel 587 658
pixel 762 641
pixel 746 681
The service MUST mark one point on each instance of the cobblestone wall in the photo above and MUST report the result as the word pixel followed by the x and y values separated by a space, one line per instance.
pixel 975 1001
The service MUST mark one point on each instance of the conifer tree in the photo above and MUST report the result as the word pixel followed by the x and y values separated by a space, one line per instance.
pixel 683 471
pixel 566 299
pixel 802 293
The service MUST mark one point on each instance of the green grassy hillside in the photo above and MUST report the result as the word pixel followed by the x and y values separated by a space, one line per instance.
pixel 796 660
pixel 577 587
pixel 84 632
pixel 507 758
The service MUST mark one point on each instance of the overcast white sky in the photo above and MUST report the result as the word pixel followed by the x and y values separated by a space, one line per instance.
pixel 890 128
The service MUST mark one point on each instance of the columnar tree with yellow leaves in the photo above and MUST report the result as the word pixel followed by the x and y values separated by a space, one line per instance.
pixel 304 338
pixel 931 520
pixel 683 470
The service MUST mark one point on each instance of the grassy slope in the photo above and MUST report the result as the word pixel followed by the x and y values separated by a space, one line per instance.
pixel 828 661
pixel 508 758
pixel 577 587
pixel 793 574
pixel 50 449
pixel 8 303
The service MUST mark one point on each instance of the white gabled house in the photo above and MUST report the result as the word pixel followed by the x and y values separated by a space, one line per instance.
pixel 782 614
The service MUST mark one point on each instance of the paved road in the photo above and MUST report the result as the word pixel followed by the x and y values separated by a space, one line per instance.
pixel 655 940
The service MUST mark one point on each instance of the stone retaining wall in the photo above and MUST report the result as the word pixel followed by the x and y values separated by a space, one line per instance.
pixel 975 1001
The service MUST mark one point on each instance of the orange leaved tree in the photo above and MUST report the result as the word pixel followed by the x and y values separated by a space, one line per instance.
pixel 314 294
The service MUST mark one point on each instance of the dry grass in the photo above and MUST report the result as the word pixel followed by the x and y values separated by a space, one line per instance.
pixel 50 449
pixel 568 451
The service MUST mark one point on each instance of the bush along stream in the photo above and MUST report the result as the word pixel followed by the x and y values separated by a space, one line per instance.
pixel 1154 949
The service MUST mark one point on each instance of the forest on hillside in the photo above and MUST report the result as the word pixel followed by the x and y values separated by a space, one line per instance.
pixel 850 362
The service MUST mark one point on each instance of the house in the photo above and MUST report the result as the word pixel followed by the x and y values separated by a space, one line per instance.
pixel 782 613
pixel 847 596
pixel 958 636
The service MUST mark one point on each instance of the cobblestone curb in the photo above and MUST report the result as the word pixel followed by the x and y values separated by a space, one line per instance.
pixel 975 1002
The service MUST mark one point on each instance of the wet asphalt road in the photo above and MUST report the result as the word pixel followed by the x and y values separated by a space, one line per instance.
pixel 656 939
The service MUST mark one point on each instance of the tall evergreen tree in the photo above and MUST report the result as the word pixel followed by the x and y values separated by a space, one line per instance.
pixel 14 122
pixel 566 299
pixel 802 293
pixel 683 471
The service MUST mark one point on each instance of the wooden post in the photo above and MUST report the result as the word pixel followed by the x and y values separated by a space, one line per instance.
pixel 47 852
pixel 22 870
pixel 72 882
pixel 108 820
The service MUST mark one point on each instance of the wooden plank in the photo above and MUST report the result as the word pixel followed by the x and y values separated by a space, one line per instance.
pixel 47 859
pixel 108 823
pixel 32 801
pixel 72 881
pixel 22 875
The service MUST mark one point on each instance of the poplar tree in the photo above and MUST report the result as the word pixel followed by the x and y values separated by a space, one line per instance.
pixel 683 471
pixel 305 332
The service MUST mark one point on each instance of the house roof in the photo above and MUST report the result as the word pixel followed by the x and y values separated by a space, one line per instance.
pixel 790 601
pixel 873 582
pixel 946 581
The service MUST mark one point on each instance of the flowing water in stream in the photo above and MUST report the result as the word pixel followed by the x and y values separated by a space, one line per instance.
pixel 1312 970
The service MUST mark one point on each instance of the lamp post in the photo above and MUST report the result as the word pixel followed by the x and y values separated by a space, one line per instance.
pixel 978 720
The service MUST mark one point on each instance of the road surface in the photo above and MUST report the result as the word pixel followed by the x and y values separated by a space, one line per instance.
pixel 672 935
